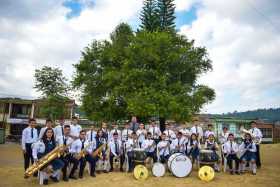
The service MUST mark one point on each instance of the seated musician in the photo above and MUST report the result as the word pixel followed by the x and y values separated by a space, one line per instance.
pixel 91 147
pixel 131 144
pixel 178 144
pixel 102 160
pixel 248 150
pixel 211 144
pixel 164 148
pixel 76 150
pixel 115 130
pixel 115 146
pixel 65 140
pixel 43 147
pixel 150 147
pixel 231 150
pixel 193 147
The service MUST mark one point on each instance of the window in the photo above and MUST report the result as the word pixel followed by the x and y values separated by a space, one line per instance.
pixel 267 132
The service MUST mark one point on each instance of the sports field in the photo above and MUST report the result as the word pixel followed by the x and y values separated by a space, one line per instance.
pixel 11 174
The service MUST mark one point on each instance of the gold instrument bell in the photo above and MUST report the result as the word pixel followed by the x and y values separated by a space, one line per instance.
pixel 206 173
pixel 140 172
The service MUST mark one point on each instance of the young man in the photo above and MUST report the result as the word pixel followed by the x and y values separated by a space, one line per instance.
pixel 131 144
pixel 76 149
pixel 91 147
pixel 105 131
pixel 257 137
pixel 66 141
pixel 134 125
pixel 164 148
pixel 223 136
pixel 208 131
pixel 170 135
pixel 155 131
pixel 49 124
pixel 248 153
pixel 178 144
pixel 115 146
pixel 196 129
pixel 126 132
pixel 141 133
pixel 114 130
pixel 91 134
pixel 75 128
pixel 230 151
pixel 150 147
pixel 58 130
pixel 29 136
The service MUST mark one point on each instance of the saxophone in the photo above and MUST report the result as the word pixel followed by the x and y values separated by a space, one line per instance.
pixel 36 166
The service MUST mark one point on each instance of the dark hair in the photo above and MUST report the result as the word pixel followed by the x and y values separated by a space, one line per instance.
pixel 180 133
pixel 82 131
pixel 191 140
pixel 210 125
pixel 133 133
pixel 66 126
pixel 149 133
pixel 230 134
pixel 48 120
pixel 44 138
pixel 31 119
pixel 252 122
pixel 97 133
pixel 74 117
pixel 115 134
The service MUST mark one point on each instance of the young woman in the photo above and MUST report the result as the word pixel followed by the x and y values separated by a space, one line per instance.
pixel 141 133
pixel 231 150
pixel 193 147
pixel 103 161
pixel 211 144
pixel 248 153
pixel 43 147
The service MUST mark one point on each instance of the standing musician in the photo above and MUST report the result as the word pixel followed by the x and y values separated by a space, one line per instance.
pixel 75 127
pixel 115 146
pixel 91 134
pixel 164 148
pixel 29 136
pixel 193 147
pixel 155 131
pixel 196 129
pixel 115 130
pixel 223 137
pixel 126 132
pixel 208 131
pixel 170 134
pixel 58 130
pixel 179 144
pixel 65 140
pixel 49 124
pixel 43 147
pixel 150 147
pixel 141 133
pixel 105 131
pixel 134 125
pixel 131 144
pixel 248 153
pixel 257 137
pixel 211 144
pixel 76 149
pixel 103 161
pixel 231 149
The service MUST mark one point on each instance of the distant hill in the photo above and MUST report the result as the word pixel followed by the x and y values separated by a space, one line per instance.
pixel 270 115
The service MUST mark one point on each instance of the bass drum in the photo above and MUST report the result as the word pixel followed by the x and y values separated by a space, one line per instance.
pixel 139 156
pixel 158 169
pixel 179 165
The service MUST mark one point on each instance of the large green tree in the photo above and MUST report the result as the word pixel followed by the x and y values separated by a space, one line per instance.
pixel 54 87
pixel 145 74
pixel 150 20
pixel 167 15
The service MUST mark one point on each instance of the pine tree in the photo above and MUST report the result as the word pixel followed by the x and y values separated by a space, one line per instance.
pixel 167 15
pixel 150 20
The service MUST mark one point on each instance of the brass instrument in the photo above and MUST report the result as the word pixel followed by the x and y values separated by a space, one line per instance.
pixel 36 166
pixel 256 140
pixel 98 151
pixel 82 153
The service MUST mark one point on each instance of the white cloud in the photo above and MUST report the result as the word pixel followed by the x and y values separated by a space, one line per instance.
pixel 243 44
pixel 184 5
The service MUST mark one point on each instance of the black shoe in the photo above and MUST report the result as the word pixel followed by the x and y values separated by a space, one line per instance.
pixel 231 172
pixel 72 177
pixel 80 176
pixel 105 171
pixel 35 174
pixel 65 179
pixel 237 173
pixel 54 179
pixel 93 175
pixel 121 170
pixel 111 170
pixel 45 182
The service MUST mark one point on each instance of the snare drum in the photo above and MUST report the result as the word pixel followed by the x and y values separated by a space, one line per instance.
pixel 139 155
pixel 179 165
pixel 208 156
pixel 158 169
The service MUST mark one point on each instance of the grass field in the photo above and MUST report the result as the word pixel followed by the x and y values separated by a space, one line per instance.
pixel 11 174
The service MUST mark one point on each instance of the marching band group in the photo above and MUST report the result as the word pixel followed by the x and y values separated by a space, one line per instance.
pixel 102 147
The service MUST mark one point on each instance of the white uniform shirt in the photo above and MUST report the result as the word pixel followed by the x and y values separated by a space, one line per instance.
pixel 141 135
pixel 155 131
pixel 76 146
pixel 185 132
pixel 27 136
pixel 38 147
pixel 113 148
pixel 125 134
pixel 252 148
pixel 58 131
pixel 112 132
pixel 197 130
pixel 149 143
pixel 194 144
pixel 231 147
pixel 170 134
pixel 75 130
pixel 90 135
pixel 181 142
pixel 257 133
pixel 223 137
pixel 68 140
pixel 163 150
pixel 130 144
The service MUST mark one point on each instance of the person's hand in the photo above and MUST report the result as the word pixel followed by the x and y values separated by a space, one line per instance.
pixel 23 151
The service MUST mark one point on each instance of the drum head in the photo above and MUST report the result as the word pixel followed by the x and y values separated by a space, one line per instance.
pixel 140 172
pixel 158 169
pixel 171 158
pixel 181 166
pixel 206 173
